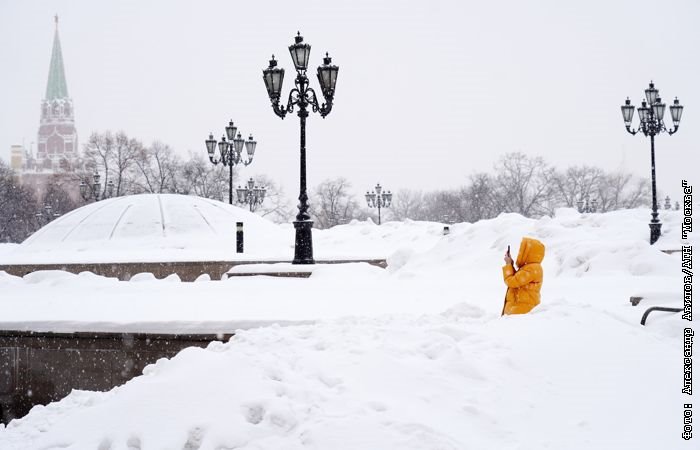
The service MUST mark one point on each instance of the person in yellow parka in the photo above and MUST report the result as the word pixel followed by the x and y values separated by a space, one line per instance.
pixel 524 284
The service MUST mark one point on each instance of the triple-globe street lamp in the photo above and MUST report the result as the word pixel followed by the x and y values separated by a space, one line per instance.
pixel 378 199
pixel 304 97
pixel 95 190
pixel 47 215
pixel 251 195
pixel 231 152
pixel 585 205
pixel 651 123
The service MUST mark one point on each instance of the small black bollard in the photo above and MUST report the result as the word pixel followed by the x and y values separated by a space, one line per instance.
pixel 239 237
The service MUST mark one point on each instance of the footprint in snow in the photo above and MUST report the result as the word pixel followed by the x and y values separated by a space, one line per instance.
pixel 194 439
pixel 134 443
pixel 254 413
pixel 330 381
pixel 377 406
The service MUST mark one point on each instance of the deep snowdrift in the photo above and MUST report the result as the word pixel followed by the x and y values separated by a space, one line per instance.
pixel 411 357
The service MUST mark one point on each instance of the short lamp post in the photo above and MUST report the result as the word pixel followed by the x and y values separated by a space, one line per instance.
pixel 667 203
pixel 587 206
pixel 47 215
pixel 651 123
pixel 378 199
pixel 251 194
pixel 231 152
pixel 303 97
pixel 96 190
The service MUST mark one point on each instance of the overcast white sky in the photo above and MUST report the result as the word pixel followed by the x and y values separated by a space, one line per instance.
pixel 428 91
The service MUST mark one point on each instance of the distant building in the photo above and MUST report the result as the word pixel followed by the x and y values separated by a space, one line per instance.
pixel 57 153
pixel 17 157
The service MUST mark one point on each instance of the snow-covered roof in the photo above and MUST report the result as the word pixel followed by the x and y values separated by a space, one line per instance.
pixel 150 227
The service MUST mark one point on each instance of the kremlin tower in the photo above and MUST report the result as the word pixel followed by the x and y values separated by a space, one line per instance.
pixel 57 140
pixel 57 152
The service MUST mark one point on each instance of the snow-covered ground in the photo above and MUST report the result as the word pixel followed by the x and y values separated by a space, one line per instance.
pixel 414 356
pixel 7 248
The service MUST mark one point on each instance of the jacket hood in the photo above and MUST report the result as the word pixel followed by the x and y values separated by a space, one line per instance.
pixel 531 251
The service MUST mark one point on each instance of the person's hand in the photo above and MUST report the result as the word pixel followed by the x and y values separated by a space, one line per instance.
pixel 508 259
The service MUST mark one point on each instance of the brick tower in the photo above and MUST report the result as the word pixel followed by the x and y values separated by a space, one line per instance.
pixel 57 140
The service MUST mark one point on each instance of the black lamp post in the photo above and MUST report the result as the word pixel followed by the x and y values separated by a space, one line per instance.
pixel 303 96
pixel 651 123
pixel 251 194
pixel 378 199
pixel 96 190
pixel 667 202
pixel 231 152
pixel 587 206
pixel 47 215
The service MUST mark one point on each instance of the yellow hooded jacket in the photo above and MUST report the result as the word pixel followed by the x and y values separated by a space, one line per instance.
pixel 524 284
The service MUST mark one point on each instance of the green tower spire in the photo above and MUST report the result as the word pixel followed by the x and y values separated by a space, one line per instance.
pixel 56 86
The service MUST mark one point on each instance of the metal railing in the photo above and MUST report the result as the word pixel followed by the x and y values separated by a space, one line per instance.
pixel 658 308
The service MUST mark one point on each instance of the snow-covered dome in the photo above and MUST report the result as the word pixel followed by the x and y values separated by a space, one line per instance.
pixel 151 227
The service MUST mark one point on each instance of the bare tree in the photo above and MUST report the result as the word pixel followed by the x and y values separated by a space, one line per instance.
pixel 333 204
pixel 98 155
pixel 480 197
pixel 125 152
pixel 57 195
pixel 19 207
pixel 470 203
pixel 112 156
pixel 622 190
pixel 443 206
pixel 156 169
pixel 524 185
pixel 407 204
pixel 199 177
pixel 638 194
pixel 576 183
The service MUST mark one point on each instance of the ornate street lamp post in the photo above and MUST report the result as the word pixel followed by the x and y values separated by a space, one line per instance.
pixel 667 202
pixel 586 206
pixel 651 123
pixel 303 96
pixel 47 215
pixel 96 190
pixel 378 199
pixel 251 194
pixel 231 152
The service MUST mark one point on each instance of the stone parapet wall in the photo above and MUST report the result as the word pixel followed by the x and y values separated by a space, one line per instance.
pixel 186 270
pixel 38 368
